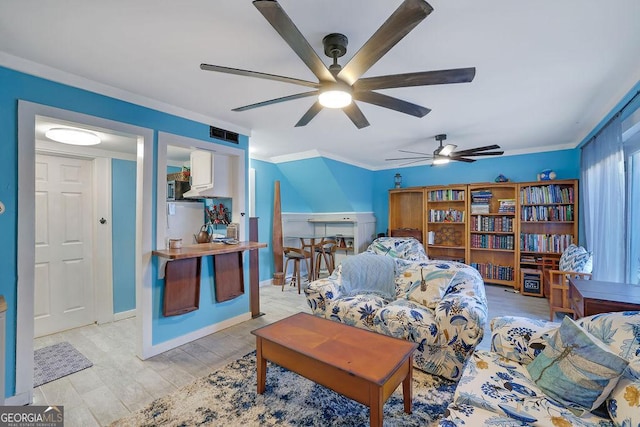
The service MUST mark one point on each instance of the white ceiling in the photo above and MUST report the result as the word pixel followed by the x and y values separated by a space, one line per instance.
pixel 547 71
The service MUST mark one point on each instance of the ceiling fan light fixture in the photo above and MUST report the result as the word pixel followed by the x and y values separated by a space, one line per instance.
pixel 335 96
pixel 72 136
pixel 441 160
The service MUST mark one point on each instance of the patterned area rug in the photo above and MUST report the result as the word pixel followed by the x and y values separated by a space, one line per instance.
pixel 228 398
pixel 57 361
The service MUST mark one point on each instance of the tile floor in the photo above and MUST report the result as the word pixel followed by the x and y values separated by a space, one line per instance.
pixel 119 383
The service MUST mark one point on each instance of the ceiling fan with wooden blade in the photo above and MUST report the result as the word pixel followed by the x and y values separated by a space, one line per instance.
pixel 445 153
pixel 339 87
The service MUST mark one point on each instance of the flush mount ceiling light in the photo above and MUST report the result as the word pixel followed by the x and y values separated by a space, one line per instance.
pixel 335 96
pixel 72 136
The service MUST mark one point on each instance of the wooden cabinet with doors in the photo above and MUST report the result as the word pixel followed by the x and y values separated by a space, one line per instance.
pixel 548 212
pixel 446 217
pixel 492 239
pixel 407 213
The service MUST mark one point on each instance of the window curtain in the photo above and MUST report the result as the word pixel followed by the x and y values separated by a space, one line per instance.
pixel 603 193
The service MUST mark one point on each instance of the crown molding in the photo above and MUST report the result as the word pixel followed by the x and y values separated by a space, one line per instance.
pixel 49 73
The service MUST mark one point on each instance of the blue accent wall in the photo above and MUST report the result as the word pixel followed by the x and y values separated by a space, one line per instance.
pixel 16 86
pixel 123 229
pixel 327 185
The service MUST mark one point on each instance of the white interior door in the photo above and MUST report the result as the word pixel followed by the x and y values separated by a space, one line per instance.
pixel 64 291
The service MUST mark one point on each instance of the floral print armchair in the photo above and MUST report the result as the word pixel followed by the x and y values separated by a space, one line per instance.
pixel 496 388
pixel 440 305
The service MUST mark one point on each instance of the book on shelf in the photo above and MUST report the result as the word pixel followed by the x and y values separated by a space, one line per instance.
pixel 546 194
pixel 555 243
pixel 489 241
pixel 480 201
pixel 547 213
pixel 491 223
pixel 448 215
pixel 507 205
pixel 446 195
pixel 492 271
pixel 479 208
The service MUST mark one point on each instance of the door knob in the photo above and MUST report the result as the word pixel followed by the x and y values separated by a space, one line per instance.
pixel 103 221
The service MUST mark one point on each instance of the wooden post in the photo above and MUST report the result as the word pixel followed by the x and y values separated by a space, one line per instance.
pixel 278 273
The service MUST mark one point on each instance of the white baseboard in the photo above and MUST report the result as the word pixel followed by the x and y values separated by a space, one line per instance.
pixel 124 315
pixel 19 399
pixel 176 342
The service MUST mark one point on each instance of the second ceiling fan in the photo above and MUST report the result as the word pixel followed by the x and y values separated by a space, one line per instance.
pixel 444 153
pixel 338 86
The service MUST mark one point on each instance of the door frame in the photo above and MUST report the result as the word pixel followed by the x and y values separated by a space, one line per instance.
pixel 27 112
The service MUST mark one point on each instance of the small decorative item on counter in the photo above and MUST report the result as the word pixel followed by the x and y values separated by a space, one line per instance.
pixel 501 178
pixel 203 235
pixel 175 243
pixel 546 175
pixel 397 179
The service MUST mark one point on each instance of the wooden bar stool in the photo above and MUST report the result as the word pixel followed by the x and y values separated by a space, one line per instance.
pixel 295 255
pixel 326 251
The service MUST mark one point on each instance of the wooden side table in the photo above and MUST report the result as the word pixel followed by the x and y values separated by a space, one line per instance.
pixel 590 297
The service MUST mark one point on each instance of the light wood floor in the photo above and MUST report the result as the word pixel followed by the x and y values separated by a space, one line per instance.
pixel 119 383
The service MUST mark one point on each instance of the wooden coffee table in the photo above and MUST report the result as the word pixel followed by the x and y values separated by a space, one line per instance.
pixel 361 365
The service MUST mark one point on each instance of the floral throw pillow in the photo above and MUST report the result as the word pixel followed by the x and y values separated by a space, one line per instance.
pixel 575 368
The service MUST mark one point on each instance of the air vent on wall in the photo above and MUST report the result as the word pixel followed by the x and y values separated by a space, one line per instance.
pixel 226 135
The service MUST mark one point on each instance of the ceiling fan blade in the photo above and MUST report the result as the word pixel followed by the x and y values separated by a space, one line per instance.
pixel 462 159
pixel 356 116
pixel 396 104
pixel 412 158
pixel 415 161
pixel 276 100
pixel 247 73
pixel 310 114
pixel 424 78
pixel 399 24
pixel 281 22
pixel 416 152
pixel 475 150
pixel 486 153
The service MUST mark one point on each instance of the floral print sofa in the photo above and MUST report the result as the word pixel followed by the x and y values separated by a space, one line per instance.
pixel 440 305
pixel 496 388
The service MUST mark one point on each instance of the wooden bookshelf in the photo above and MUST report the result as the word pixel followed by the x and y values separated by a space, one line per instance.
pixel 446 214
pixel 548 222
pixel 407 212
pixel 497 242
pixel 492 237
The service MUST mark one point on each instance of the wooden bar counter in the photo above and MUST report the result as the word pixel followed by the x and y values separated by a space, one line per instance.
pixel 204 249
pixel 182 274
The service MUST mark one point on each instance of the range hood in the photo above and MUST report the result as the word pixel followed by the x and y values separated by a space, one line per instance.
pixel 202 164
